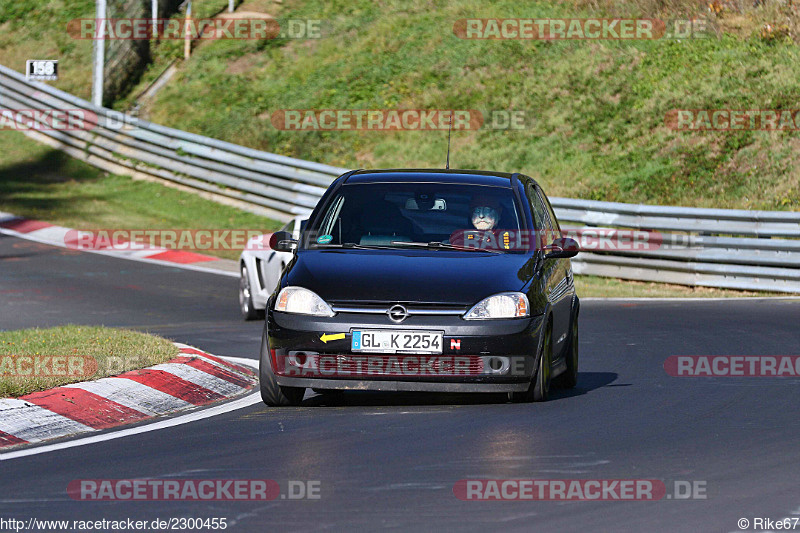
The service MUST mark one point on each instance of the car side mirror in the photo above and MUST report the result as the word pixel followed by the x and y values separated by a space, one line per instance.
pixel 282 241
pixel 562 248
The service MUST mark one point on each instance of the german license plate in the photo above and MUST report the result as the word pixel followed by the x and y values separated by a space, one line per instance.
pixel 383 341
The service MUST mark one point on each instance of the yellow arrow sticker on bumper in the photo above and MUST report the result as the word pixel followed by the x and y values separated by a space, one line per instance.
pixel 331 337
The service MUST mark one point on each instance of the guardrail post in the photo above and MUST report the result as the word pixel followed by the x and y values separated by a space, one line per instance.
pixel 99 54
pixel 154 16
pixel 187 47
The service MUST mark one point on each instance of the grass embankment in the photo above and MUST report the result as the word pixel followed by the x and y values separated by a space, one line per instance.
pixel 37 29
pixel 597 108
pixel 39 359
pixel 41 183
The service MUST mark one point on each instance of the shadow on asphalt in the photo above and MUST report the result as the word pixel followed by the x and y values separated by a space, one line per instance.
pixel 26 187
pixel 587 382
pixel 35 247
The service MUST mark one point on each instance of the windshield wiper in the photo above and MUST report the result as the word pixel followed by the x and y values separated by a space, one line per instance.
pixel 356 246
pixel 444 246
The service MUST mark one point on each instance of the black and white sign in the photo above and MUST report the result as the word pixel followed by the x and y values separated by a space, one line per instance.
pixel 41 69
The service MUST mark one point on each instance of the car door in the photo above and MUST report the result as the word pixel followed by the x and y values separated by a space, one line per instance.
pixel 558 275
pixel 544 269
pixel 564 264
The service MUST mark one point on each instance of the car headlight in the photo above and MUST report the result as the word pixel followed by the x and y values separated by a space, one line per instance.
pixel 303 302
pixel 503 305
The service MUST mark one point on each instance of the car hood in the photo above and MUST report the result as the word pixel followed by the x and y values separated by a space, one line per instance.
pixel 462 278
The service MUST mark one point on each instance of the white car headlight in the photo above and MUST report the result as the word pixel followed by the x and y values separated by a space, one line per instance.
pixel 503 305
pixel 303 302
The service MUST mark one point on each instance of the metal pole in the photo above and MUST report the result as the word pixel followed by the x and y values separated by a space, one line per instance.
pixel 187 47
pixel 99 54
pixel 230 5
pixel 154 16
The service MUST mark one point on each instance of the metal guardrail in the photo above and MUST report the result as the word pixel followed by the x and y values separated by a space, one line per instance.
pixel 669 218
pixel 280 186
pixel 724 248
pixel 738 249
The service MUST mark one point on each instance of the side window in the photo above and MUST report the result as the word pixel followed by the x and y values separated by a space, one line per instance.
pixel 539 217
pixel 551 216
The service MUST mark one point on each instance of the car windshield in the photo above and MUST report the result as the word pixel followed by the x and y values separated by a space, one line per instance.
pixel 400 215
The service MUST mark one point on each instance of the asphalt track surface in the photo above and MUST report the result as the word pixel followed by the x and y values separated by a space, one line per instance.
pixel 390 461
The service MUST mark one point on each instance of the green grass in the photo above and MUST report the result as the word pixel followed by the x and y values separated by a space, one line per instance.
pixel 83 353
pixel 41 183
pixel 37 29
pixel 597 109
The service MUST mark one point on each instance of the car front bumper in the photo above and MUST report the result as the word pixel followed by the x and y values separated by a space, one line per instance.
pixel 477 355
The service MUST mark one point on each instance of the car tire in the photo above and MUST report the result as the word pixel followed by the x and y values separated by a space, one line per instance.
pixel 539 389
pixel 569 378
pixel 246 306
pixel 272 394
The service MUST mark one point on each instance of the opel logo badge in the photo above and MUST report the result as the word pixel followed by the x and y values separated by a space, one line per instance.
pixel 397 313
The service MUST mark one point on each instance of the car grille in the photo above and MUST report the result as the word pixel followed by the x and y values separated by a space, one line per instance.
pixel 413 308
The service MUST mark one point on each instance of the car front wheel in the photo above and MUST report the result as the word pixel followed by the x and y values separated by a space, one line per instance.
pixel 273 394
pixel 569 378
pixel 539 389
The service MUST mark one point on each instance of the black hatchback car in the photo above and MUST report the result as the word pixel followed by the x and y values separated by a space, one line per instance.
pixel 424 280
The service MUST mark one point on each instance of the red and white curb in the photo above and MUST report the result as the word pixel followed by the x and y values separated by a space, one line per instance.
pixel 46 233
pixel 192 379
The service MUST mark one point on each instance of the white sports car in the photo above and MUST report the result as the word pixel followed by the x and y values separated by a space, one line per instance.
pixel 260 270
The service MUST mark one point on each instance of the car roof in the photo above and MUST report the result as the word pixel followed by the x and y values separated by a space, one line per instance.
pixel 469 177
